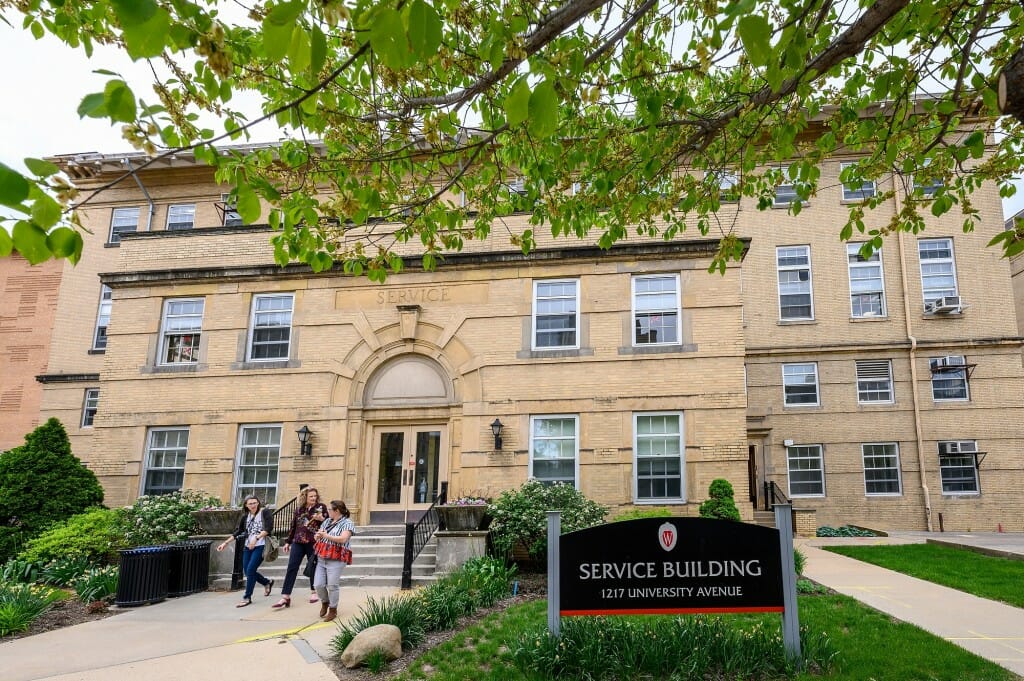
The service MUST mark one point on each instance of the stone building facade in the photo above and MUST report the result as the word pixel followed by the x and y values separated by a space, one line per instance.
pixel 883 392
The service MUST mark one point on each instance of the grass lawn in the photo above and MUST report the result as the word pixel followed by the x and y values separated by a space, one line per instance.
pixel 999 579
pixel 869 645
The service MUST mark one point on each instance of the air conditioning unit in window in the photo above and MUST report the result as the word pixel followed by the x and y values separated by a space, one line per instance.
pixel 950 361
pixel 945 305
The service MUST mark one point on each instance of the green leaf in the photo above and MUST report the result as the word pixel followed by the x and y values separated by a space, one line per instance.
pixel 148 40
pixel 64 242
pixel 13 187
pixel 286 13
pixel 93 106
pixel 298 51
pixel 46 211
pixel 424 29
pixel 543 110
pixel 41 168
pixel 388 39
pixel 120 101
pixel 248 206
pixel 30 241
pixel 755 32
pixel 317 50
pixel 276 39
pixel 6 245
pixel 134 12
pixel 517 104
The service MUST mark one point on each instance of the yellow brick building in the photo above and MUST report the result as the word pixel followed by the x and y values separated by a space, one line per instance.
pixel 880 393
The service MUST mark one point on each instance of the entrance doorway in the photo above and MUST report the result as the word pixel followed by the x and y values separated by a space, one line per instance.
pixel 408 463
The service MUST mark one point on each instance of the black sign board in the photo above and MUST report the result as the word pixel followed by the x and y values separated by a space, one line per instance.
pixel 655 566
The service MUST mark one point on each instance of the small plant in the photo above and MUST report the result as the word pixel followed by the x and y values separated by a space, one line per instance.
pixel 19 571
pixel 467 501
pixel 844 531
pixel 376 661
pixel 520 516
pixel 720 502
pixel 98 584
pixel 640 513
pixel 22 604
pixel 64 571
pixel 806 587
pixel 799 561
pixel 405 612
pixel 93 536
pixel 166 518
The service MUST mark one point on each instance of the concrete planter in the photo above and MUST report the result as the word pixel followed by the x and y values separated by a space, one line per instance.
pixel 218 522
pixel 462 518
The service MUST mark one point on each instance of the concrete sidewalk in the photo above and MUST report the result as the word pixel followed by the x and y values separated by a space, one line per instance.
pixel 987 628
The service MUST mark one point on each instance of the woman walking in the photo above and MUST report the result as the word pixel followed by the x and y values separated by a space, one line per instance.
pixel 299 543
pixel 333 554
pixel 255 526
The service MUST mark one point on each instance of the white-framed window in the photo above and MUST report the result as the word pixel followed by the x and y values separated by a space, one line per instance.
pixel 123 220
pixel 785 194
pixel 859 191
pixel 867 288
pixel 181 216
pixel 554 448
pixel 938 269
pixel 271 327
pixel 165 460
pixel 556 320
pixel 800 384
pixel 806 471
pixel 180 330
pixel 656 314
pixel 259 456
pixel 874 381
pixel 99 339
pixel 958 467
pixel 881 469
pixel 728 182
pixel 795 293
pixel 922 185
pixel 949 378
pixel 89 406
pixel 658 456
pixel 231 216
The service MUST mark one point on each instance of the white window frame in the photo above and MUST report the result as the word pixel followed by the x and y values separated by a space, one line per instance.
pixel 728 182
pixel 169 328
pixel 678 436
pixel 164 450
pixel 231 216
pixel 536 300
pixel 576 445
pixel 120 218
pixel 817 385
pixel 899 473
pixel 676 308
pixel 947 375
pixel 867 189
pixel 785 195
pixel 103 317
pixel 779 269
pixel 820 458
pixel 859 266
pixel 185 210
pixel 252 488
pixel 871 374
pixel 90 407
pixel 253 328
pixel 950 261
pixel 971 463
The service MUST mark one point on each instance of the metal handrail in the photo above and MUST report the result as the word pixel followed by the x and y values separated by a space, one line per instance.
pixel 773 494
pixel 419 533
pixel 283 518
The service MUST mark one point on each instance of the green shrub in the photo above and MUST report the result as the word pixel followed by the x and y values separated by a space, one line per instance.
pixel 62 572
pixel 520 516
pixel 444 602
pixel 22 604
pixel 165 518
pixel 643 512
pixel 41 483
pixel 799 561
pixel 376 661
pixel 844 531
pixel 97 584
pixel 720 503
pixel 93 536
pixel 405 612
pixel 20 571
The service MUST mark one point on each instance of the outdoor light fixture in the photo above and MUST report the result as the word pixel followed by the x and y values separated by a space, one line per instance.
pixel 496 430
pixel 306 447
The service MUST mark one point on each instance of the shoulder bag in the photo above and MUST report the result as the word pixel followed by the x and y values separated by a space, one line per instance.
pixel 328 550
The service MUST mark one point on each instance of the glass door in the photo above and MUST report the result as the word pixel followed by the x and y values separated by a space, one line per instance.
pixel 407 466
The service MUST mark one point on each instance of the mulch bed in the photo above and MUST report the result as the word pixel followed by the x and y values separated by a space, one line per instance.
pixel 65 613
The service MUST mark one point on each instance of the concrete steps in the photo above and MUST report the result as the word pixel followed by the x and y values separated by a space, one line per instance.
pixel 765 518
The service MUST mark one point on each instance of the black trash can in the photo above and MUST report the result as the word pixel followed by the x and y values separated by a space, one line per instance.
pixel 189 568
pixel 142 576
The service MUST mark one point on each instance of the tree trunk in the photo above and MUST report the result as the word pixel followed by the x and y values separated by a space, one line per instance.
pixel 1011 87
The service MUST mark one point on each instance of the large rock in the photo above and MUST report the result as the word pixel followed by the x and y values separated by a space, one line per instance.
pixel 386 638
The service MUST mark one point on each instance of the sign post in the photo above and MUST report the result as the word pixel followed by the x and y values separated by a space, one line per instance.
pixel 790 618
pixel 554 534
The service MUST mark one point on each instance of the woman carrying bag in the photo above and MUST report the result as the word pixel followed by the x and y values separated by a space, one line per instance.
pixel 311 512
pixel 333 554
pixel 255 526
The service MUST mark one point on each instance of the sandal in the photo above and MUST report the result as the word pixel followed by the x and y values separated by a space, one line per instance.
pixel 313 598
pixel 285 602
pixel 267 588
pixel 244 603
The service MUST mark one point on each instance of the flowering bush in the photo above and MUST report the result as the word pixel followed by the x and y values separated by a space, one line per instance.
pixel 166 518
pixel 467 501
pixel 520 516
pixel 93 536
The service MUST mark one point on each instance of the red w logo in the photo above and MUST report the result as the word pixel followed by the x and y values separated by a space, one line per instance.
pixel 667 536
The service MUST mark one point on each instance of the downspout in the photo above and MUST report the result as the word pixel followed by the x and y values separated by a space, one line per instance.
pixel 152 206
pixel 913 371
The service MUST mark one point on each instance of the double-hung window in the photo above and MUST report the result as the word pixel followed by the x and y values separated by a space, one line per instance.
pixel 181 216
pixel 556 314
pixel 728 182
pixel 806 471
pixel 881 469
pixel 800 385
pixel 795 295
pixel 949 378
pixel 99 341
pixel 656 309
pixel 89 406
pixel 165 460
pixel 785 194
pixel 874 381
pixel 180 331
pixel 123 220
pixel 658 444
pixel 958 467
pixel 554 446
pixel 867 290
pixel 271 327
pixel 856 191
pixel 938 269
pixel 259 454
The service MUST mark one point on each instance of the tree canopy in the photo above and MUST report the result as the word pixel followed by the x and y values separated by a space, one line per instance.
pixel 598 118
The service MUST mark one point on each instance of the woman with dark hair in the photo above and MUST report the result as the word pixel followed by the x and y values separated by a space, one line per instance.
pixel 255 526
pixel 311 512
pixel 332 554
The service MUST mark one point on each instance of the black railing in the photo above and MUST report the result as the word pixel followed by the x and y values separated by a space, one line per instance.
pixel 283 518
pixel 419 533
pixel 773 494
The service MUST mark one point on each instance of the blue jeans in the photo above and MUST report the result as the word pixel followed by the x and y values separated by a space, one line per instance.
pixel 251 559
pixel 295 555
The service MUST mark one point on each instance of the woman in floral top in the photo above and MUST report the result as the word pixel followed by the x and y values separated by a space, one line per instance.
pixel 310 513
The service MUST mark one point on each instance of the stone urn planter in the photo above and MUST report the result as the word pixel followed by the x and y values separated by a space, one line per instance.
pixel 219 521
pixel 463 518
